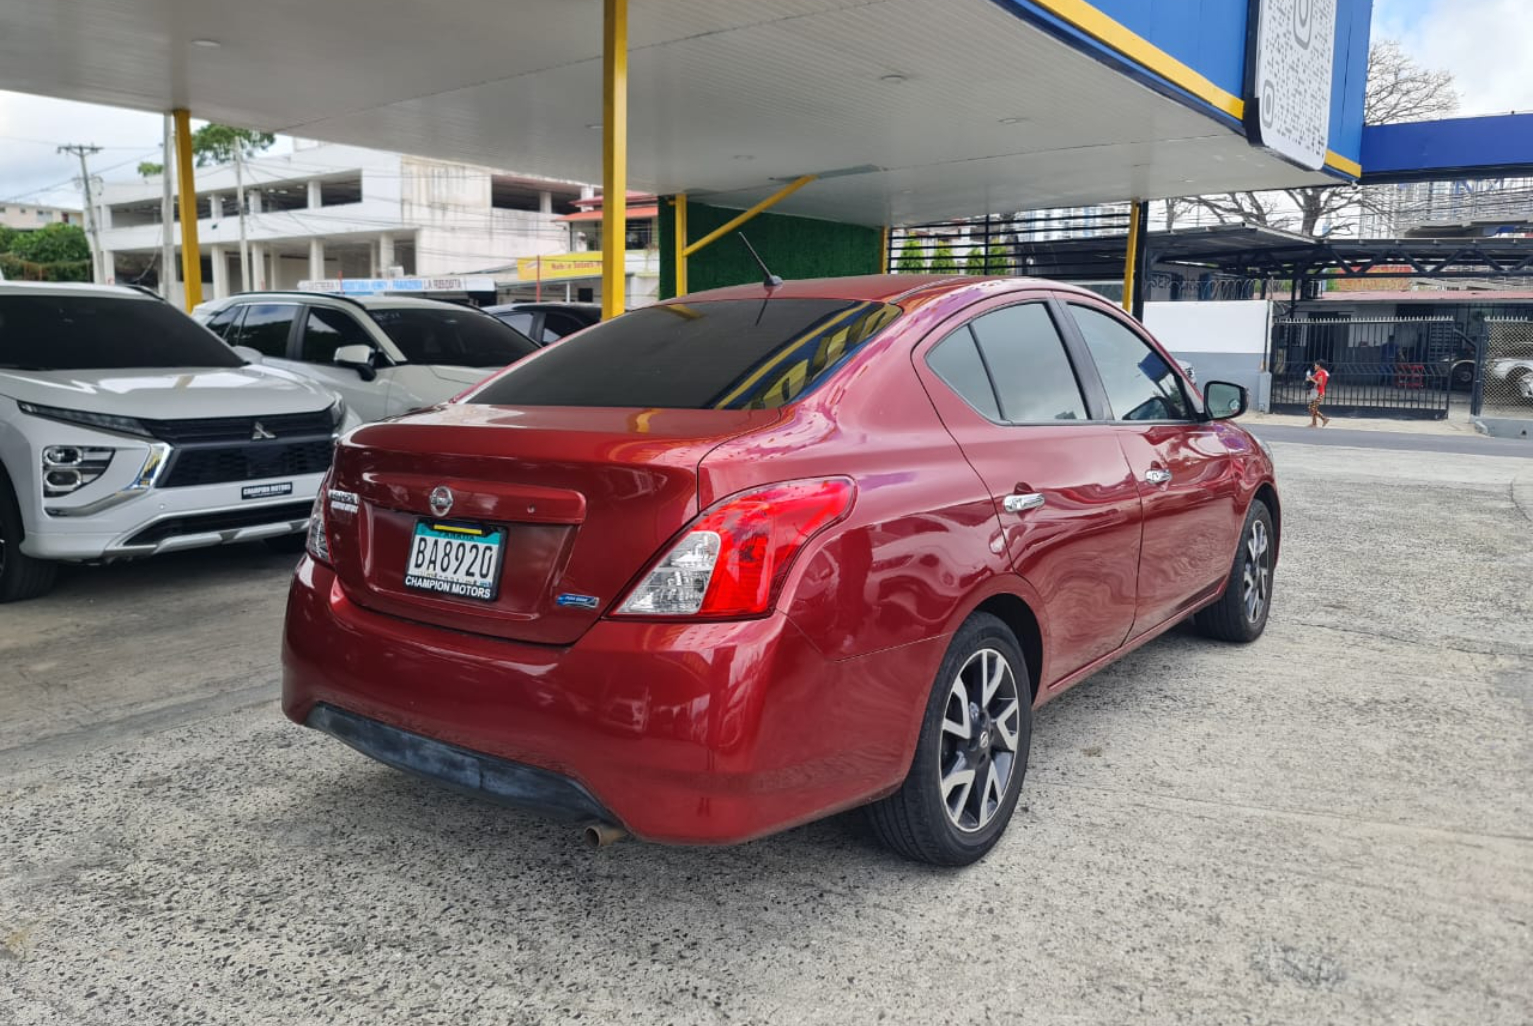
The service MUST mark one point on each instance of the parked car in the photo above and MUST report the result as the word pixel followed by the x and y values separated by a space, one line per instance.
pixel 547 322
pixel 386 354
pixel 1516 372
pixel 127 430
pixel 731 563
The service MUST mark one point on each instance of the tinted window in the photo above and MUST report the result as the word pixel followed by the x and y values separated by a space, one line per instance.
pixel 521 320
pixel 1140 384
pixel 265 328
pixel 558 325
pixel 451 336
pixel 103 333
pixel 224 320
pixel 1026 358
pixel 727 354
pixel 956 361
pixel 325 331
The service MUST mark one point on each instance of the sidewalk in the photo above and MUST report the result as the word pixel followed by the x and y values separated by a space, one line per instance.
pixel 1458 423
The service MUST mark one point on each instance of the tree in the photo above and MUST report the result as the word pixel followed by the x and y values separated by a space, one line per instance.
pixel 216 144
pixel 910 260
pixel 55 252
pixel 994 260
pixel 943 260
pixel 1398 90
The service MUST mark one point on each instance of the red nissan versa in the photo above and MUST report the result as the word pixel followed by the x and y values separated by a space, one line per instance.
pixel 745 559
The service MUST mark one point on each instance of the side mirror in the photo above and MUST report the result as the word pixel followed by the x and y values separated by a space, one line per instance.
pixel 359 358
pixel 1224 401
pixel 247 354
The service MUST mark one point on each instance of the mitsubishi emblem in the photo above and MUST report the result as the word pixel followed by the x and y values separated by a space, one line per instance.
pixel 260 434
pixel 441 500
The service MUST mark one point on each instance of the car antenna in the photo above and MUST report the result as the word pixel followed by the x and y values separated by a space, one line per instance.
pixel 768 279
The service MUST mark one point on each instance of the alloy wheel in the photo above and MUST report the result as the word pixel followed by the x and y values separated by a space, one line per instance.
pixel 1256 571
pixel 978 754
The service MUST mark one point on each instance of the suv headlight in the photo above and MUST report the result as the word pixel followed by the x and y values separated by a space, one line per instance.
pixel 103 421
pixel 68 468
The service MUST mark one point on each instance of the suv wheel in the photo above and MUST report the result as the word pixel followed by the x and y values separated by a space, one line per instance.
pixel 972 755
pixel 21 576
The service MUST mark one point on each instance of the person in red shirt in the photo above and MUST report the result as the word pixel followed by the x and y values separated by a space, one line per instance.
pixel 1318 377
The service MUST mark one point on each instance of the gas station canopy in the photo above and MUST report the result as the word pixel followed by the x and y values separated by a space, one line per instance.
pixel 906 110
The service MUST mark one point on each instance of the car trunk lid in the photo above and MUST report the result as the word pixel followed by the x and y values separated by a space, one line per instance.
pixel 586 499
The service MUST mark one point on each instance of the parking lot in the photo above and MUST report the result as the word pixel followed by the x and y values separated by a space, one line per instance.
pixel 1329 826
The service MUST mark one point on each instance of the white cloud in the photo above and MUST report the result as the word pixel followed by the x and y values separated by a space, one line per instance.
pixel 1483 43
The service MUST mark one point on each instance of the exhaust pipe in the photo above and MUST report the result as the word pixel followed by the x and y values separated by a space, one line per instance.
pixel 600 835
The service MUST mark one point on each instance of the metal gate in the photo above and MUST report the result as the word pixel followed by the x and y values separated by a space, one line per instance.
pixel 1379 366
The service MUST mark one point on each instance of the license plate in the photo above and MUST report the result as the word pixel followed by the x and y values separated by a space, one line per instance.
pixel 458 560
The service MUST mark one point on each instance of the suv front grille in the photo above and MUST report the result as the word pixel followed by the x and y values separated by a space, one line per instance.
pixel 241 429
pixel 253 461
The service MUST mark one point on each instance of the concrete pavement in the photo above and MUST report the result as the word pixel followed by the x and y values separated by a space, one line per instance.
pixel 1328 826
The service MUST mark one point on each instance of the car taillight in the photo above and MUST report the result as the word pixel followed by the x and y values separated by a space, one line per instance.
pixel 318 544
pixel 732 561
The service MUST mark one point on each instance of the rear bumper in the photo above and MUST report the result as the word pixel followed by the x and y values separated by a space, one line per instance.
pixel 511 783
pixel 696 734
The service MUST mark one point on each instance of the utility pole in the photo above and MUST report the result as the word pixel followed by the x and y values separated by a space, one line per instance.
pixel 82 151
pixel 168 215
pixel 239 200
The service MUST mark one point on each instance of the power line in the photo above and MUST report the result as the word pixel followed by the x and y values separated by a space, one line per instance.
pixel 84 150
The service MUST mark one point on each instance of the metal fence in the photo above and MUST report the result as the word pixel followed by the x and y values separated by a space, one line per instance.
pixel 1506 380
pixel 1390 366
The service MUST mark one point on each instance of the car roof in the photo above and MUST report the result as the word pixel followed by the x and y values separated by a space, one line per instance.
pixel 877 288
pixel 394 302
pixel 73 288
pixel 544 304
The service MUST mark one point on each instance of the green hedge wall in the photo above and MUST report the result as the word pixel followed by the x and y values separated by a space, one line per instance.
pixel 793 247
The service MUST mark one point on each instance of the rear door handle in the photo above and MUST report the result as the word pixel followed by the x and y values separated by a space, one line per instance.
pixel 1157 476
pixel 1023 502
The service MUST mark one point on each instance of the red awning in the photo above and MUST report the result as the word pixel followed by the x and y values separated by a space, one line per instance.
pixel 634 214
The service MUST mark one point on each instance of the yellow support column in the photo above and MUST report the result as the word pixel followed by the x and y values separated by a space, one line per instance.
pixel 614 131
pixel 1129 259
pixel 681 243
pixel 191 255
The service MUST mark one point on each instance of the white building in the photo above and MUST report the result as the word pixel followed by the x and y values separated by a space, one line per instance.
pixel 329 211
pixel 29 216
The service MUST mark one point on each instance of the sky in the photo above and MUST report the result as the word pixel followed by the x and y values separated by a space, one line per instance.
pixel 1484 43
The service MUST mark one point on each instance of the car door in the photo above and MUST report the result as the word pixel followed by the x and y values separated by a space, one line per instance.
pixel 322 331
pixel 1188 478
pixel 1005 385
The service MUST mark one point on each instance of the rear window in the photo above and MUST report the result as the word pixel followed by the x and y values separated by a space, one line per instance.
pixel 60 332
pixel 729 354
pixel 453 337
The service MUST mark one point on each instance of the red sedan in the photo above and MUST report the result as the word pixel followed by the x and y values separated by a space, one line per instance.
pixel 742 560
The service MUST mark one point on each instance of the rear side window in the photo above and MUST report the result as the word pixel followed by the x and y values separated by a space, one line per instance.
pixel 265 328
pixel 1026 358
pixel 86 332
pixel 1140 383
pixel 726 354
pixel 957 362
pixel 452 336
pixel 326 330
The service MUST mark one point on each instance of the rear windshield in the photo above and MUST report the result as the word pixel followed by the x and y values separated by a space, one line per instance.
pixel 728 354
pixel 457 338
pixel 85 332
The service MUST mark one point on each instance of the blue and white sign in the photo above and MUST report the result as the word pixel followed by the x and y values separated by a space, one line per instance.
pixel 374 286
pixel 1288 106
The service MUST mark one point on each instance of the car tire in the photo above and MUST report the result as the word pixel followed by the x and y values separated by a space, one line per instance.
pixel 1241 613
pixel 934 817
pixel 21 576
pixel 288 544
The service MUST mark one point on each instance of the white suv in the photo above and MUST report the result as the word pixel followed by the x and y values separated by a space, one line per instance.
pixel 386 355
pixel 127 430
